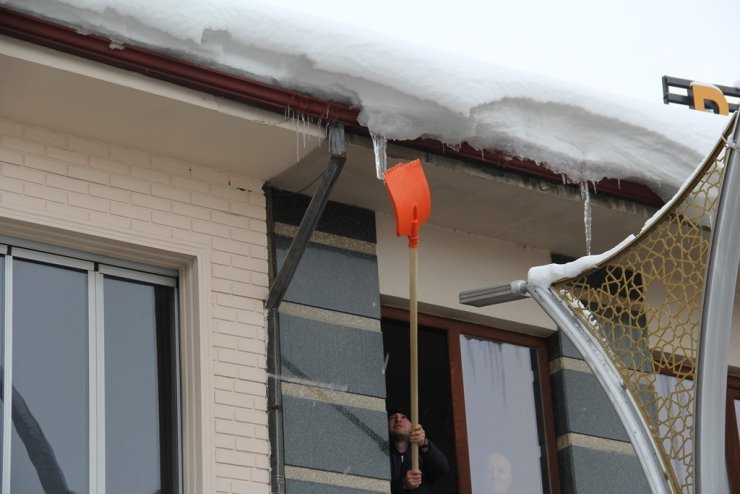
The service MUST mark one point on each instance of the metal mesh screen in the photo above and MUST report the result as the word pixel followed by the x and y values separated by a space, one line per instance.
pixel 644 305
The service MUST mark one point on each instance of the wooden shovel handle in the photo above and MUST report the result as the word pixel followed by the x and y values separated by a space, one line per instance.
pixel 414 351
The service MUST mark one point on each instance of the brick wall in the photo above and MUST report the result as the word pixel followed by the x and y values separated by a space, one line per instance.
pixel 137 196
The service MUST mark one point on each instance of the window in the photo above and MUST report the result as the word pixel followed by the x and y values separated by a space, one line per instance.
pixel 666 384
pixel 733 432
pixel 497 432
pixel 89 358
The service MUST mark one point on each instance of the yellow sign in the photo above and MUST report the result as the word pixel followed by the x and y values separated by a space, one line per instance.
pixel 700 94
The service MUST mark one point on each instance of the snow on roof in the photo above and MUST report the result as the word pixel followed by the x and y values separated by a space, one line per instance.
pixel 405 91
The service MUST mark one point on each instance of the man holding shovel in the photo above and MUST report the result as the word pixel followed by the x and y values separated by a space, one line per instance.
pixel 409 192
pixel 432 462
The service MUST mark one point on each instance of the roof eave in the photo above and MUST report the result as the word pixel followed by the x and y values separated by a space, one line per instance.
pixel 270 97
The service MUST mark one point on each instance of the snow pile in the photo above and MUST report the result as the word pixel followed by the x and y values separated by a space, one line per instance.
pixel 405 91
pixel 544 276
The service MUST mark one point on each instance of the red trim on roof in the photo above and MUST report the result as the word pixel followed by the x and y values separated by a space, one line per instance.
pixel 272 97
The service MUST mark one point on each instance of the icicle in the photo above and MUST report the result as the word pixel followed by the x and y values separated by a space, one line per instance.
pixel 297 139
pixel 586 196
pixel 381 159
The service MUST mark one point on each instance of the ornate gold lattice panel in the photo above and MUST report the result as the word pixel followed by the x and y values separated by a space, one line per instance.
pixel 644 305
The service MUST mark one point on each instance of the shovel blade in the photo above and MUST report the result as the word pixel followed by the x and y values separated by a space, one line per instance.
pixel 409 191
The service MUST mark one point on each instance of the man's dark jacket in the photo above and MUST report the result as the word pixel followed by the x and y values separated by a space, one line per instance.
pixel 432 464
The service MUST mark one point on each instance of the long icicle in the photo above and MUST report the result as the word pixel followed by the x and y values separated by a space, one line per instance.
pixel 586 197
pixel 381 159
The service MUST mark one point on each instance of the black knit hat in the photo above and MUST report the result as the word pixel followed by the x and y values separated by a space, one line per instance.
pixel 394 410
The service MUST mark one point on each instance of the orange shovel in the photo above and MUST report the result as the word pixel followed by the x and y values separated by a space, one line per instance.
pixel 409 191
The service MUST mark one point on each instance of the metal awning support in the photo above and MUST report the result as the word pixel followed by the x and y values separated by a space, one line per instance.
pixel 483 297
pixel 611 381
pixel 337 147
pixel 716 326
pixel 599 363
pixel 613 345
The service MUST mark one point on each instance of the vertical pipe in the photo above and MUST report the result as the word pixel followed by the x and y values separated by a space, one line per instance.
pixel 711 385
pixel 275 407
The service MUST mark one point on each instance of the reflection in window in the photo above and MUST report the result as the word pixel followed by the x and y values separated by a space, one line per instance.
pixel 131 389
pixel 503 438
pixel 50 376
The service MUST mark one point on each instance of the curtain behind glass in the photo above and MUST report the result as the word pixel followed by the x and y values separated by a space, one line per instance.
pixel 501 417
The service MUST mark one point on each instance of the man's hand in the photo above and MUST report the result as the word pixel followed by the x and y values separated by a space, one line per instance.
pixel 417 435
pixel 412 480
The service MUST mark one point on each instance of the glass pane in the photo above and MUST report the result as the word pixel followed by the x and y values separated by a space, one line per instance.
pixel 49 447
pixel 131 389
pixel 2 354
pixel 501 417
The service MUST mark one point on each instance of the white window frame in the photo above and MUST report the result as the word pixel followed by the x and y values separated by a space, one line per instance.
pixel 96 273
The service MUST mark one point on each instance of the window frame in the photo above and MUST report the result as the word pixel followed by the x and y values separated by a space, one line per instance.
pixel 172 472
pixel 454 329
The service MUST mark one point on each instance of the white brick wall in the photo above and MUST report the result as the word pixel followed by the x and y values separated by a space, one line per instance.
pixel 111 188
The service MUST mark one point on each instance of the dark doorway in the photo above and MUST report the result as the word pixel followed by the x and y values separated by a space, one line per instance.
pixel 435 404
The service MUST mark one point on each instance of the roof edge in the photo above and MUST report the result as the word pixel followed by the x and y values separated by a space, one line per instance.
pixel 273 98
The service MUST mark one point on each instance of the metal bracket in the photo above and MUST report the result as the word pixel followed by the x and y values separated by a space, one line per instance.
pixel 338 149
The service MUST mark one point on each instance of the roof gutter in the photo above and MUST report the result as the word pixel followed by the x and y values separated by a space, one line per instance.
pixel 273 98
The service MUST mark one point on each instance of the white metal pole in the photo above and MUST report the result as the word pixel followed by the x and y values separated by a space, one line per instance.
pixel 719 297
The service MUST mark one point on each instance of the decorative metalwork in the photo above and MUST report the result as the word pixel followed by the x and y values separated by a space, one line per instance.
pixel 644 305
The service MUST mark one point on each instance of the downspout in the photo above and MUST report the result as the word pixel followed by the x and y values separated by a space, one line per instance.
pixel 278 287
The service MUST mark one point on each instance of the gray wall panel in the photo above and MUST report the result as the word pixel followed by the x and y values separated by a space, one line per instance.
pixel 559 345
pixel 334 279
pixel 300 487
pixel 337 218
pixel 582 406
pixel 336 438
pixel 347 358
pixel 589 471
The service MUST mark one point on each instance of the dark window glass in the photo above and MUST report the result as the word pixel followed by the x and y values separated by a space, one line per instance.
pixel 50 379
pixel 737 419
pixel 435 406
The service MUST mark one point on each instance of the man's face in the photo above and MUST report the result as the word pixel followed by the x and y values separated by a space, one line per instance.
pixel 498 473
pixel 399 426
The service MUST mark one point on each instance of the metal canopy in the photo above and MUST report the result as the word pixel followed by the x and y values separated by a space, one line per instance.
pixel 653 322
